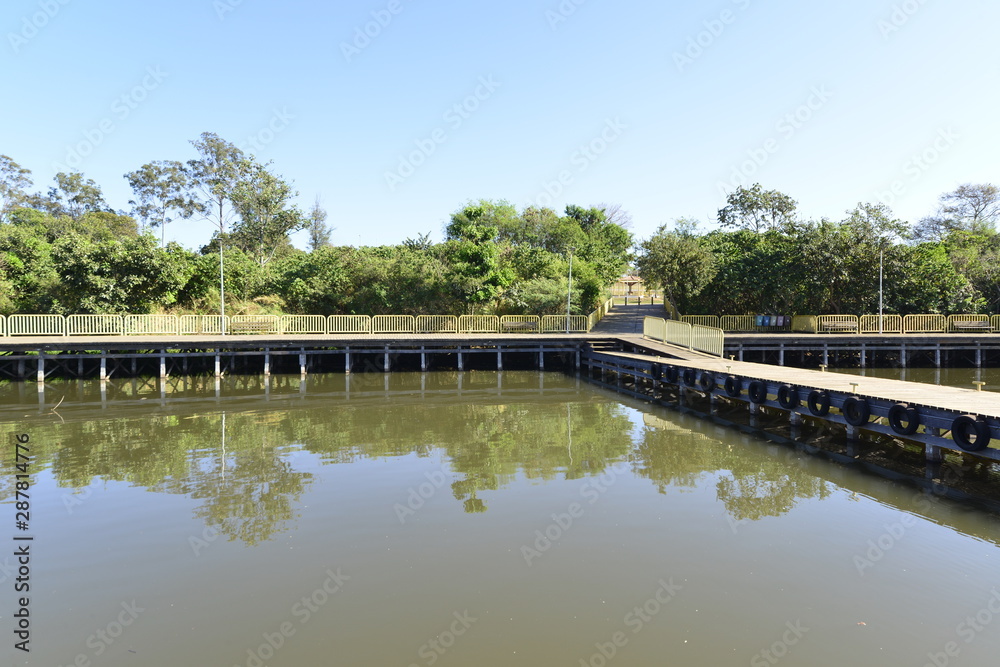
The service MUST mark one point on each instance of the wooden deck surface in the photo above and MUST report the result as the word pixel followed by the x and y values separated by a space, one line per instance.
pixel 986 403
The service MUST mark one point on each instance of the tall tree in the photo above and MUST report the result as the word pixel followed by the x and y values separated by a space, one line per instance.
pixel 319 231
pixel 970 207
pixel 14 181
pixel 267 217
pixel 757 209
pixel 162 188
pixel 74 196
pixel 676 261
pixel 214 175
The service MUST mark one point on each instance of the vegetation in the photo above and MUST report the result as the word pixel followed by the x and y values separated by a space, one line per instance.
pixel 766 259
pixel 68 252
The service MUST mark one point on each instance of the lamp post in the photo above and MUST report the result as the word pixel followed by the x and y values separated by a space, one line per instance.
pixel 881 253
pixel 569 288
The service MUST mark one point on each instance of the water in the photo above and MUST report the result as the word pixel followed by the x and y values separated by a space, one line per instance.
pixel 950 377
pixel 523 519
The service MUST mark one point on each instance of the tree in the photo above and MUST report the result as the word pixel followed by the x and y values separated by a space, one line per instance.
pixel 214 175
pixel 14 180
pixel 267 217
pixel 757 209
pixel 676 261
pixel 319 231
pixel 160 188
pixel 971 208
pixel 73 196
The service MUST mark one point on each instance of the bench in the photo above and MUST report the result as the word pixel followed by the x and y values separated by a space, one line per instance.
pixel 983 325
pixel 253 326
pixel 839 326
pixel 519 326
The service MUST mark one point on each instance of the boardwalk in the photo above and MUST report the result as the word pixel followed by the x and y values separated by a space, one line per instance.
pixel 627 319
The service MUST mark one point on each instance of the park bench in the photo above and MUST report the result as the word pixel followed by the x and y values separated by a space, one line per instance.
pixel 978 325
pixel 510 327
pixel 253 326
pixel 839 326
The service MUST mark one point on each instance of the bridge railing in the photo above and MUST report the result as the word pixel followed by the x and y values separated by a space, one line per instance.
pixel 303 324
pixel 925 324
pixel 437 324
pixel 203 324
pixel 394 324
pixel 703 320
pixel 349 324
pixel 479 324
pixel 969 323
pixel 562 324
pixel 710 340
pixel 94 325
pixel 36 325
pixel 152 325
pixel 881 324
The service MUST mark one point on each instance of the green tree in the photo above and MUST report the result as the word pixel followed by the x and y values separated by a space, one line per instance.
pixel 266 214
pixel 319 231
pixel 72 196
pixel 678 262
pixel 14 182
pixel 970 207
pixel 162 188
pixel 757 209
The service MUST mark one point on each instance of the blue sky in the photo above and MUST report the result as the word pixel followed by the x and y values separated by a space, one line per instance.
pixel 659 107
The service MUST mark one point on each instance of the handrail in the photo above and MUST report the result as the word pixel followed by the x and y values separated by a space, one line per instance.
pixel 710 340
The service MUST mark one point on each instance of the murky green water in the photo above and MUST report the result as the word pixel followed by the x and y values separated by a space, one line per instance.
pixel 951 377
pixel 517 520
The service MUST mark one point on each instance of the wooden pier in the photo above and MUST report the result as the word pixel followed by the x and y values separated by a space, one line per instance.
pixel 937 417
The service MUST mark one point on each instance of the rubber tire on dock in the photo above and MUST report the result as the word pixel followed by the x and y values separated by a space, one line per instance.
pixel 856 411
pixel 690 377
pixel 706 382
pixel 757 391
pixel 966 426
pixel 788 397
pixel 819 403
pixel 670 374
pixel 901 412
pixel 734 386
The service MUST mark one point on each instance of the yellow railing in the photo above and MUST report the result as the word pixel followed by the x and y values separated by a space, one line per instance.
pixel 349 324
pixel 520 323
pixel 837 323
pixel 394 324
pixel 36 325
pixel 745 323
pixel 888 324
pixel 710 340
pixel 94 325
pixel 996 323
pixel 969 323
pixel 703 320
pixel 655 328
pixel 437 324
pixel 479 324
pixel 151 325
pixel 557 324
pixel 255 324
pixel 925 324
pixel 303 324
pixel 203 324
pixel 3 325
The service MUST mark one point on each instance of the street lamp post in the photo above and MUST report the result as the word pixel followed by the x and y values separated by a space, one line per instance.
pixel 880 317
pixel 569 289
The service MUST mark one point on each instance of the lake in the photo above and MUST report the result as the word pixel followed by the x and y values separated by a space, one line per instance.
pixel 467 519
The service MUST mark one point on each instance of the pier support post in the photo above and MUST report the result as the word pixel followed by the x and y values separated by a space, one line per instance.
pixel 853 433
pixel 933 453
pixel 795 418
pixel 347 360
pixel 423 359
pixel 979 355
pixel 864 356
pixel 267 361
pixel 20 369
pixel 385 359
pixel 937 356
pixel 781 355
pixel 79 367
pixel 499 359
pixel 461 364
pixel 41 367
pixel 541 360
pixel 902 356
pixel 826 354
pixel 576 362
pixel 754 408
pixel 218 365
pixel 163 364
pixel 302 362
pixel 104 367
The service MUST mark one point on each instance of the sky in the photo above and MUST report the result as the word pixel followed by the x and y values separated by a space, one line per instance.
pixel 396 113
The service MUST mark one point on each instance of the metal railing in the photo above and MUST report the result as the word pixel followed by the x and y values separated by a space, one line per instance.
pixel 303 324
pixel 703 320
pixel 36 325
pixel 437 324
pixel 562 324
pixel 394 324
pixel 969 323
pixel 881 324
pixel 94 325
pixel 837 323
pixel 479 324
pixel 203 324
pixel 520 323
pixel 710 340
pixel 348 324
pixel 925 324
pixel 255 324
pixel 151 325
